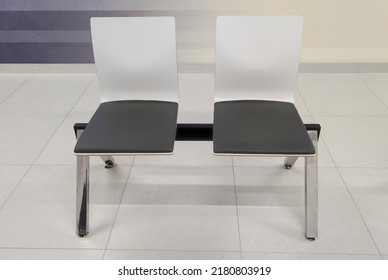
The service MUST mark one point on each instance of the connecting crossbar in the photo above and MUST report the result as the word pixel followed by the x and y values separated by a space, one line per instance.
pixel 198 131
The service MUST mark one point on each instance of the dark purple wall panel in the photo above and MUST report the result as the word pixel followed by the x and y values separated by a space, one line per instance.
pixel 23 38
pixel 46 53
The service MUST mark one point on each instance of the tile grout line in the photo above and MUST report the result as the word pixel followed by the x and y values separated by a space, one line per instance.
pixel 64 119
pixel 347 188
pixel 75 103
pixel 354 202
pixel 118 209
pixel 33 163
pixel 315 254
pixel 17 185
pixel 359 212
pixel 374 93
pixel 16 89
pixel 50 248
pixel 361 80
pixel 237 213
pixel 314 120
pixel 304 102
pixel 132 165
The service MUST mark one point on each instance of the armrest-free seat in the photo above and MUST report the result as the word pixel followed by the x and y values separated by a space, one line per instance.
pixel 137 74
pixel 257 59
pixel 130 127
pixel 259 127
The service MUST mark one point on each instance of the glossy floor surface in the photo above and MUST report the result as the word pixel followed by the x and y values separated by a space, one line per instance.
pixel 192 205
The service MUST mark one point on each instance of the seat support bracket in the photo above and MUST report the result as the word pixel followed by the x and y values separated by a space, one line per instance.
pixel 290 161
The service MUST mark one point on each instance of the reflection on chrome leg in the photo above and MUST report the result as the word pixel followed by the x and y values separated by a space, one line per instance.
pixel 82 203
pixel 311 190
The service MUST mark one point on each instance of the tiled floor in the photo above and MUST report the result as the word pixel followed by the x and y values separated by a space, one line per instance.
pixel 192 205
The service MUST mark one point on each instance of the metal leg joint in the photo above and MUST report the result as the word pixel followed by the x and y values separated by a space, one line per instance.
pixel 109 161
pixel 289 162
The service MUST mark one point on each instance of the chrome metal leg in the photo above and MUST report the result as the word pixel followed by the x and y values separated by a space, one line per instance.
pixel 311 190
pixel 289 162
pixel 109 161
pixel 82 208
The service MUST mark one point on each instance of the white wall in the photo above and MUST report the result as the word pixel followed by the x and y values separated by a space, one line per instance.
pixel 335 31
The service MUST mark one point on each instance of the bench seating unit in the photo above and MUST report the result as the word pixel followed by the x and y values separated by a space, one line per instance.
pixel 257 59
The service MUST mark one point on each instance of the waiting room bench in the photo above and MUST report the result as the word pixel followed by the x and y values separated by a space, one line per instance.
pixel 257 59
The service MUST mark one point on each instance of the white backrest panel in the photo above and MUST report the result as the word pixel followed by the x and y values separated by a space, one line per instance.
pixel 257 57
pixel 135 58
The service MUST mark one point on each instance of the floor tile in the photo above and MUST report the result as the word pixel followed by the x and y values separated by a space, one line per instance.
pixel 269 187
pixel 10 176
pixel 169 255
pixel 46 95
pixel 89 101
pixel 300 105
pixel 196 94
pixel 23 138
pixel 187 153
pixel 175 227
pixel 50 254
pixel 327 98
pixel 53 226
pixel 356 141
pixel 41 211
pixel 329 77
pixel 184 206
pixel 56 184
pixel 60 149
pixel 296 256
pixel 271 213
pixel 184 185
pixel 374 77
pixel 330 68
pixel 381 90
pixel 186 118
pixel 191 208
pixel 9 83
pixel 369 190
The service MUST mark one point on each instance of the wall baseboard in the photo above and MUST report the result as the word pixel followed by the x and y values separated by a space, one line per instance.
pixel 195 68
pixel 343 68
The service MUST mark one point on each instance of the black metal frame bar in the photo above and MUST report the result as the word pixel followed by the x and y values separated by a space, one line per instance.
pixel 198 131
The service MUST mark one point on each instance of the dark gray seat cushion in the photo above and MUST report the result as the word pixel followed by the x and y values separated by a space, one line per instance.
pixel 126 127
pixel 259 127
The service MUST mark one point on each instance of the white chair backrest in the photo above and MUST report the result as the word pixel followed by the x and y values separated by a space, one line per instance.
pixel 257 57
pixel 135 58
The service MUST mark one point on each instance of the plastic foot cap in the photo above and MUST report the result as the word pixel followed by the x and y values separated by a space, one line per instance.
pixel 287 166
pixel 109 164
